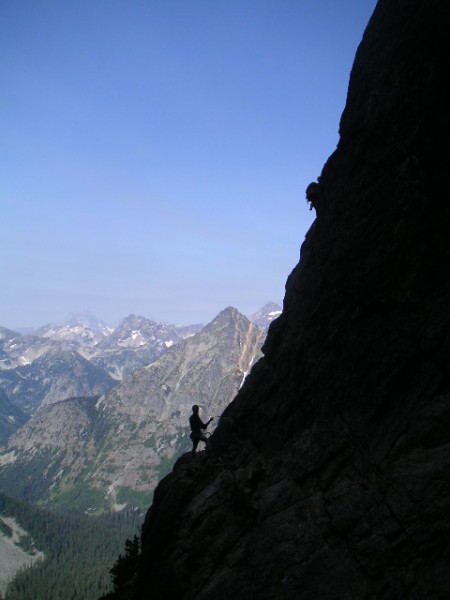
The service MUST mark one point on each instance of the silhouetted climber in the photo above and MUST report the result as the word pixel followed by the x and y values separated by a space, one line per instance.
pixel 312 195
pixel 197 426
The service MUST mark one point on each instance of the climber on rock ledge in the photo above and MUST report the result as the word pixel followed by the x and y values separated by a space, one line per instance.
pixel 197 428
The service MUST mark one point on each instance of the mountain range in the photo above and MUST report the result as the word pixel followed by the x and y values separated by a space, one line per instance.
pixel 95 416
pixel 108 448
pixel 60 373
pixel 134 343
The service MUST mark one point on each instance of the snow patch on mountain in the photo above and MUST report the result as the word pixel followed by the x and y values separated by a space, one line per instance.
pixel 8 458
pixel 265 315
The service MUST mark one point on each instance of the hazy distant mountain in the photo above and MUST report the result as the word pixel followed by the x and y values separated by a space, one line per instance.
pixel 62 352
pixel 135 343
pixel 81 329
pixel 135 331
pixel 24 349
pixel 265 315
pixel 55 375
pixel 25 330
pixel 88 319
pixel 106 453
pixel 7 334
pixel 185 331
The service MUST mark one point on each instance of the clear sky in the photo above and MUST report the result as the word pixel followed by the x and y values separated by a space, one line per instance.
pixel 154 154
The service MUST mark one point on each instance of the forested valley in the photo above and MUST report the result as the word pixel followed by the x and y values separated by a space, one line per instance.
pixel 79 551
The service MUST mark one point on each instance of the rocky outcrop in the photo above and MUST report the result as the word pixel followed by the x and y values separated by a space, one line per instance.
pixel 330 473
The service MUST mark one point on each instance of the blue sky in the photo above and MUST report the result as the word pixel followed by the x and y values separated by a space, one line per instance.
pixel 155 153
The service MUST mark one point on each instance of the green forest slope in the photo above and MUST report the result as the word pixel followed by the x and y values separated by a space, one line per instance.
pixel 79 551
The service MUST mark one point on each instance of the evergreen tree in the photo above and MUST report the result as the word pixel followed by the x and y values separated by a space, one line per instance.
pixel 125 566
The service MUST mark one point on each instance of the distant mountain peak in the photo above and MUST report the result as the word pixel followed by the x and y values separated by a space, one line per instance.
pixel 228 312
pixel 226 317
pixel 7 334
pixel 265 315
pixel 86 319
pixel 134 320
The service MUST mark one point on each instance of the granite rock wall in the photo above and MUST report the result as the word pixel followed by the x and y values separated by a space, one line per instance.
pixel 331 469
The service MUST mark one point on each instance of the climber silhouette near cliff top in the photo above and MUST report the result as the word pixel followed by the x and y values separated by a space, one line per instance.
pixel 197 426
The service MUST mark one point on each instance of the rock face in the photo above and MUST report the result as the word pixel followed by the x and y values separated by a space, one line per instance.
pixel 330 473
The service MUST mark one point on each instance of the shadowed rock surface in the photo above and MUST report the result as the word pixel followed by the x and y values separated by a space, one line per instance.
pixel 330 477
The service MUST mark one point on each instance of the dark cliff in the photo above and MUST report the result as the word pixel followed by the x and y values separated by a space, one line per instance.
pixel 330 476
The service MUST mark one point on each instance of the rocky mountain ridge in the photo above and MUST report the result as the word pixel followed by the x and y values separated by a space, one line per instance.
pixel 109 451
pixel 81 357
pixel 56 375
pixel 134 343
pixel 330 472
